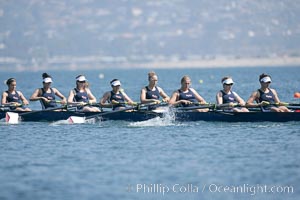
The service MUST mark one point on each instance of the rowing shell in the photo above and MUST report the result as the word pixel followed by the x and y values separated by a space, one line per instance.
pixel 135 116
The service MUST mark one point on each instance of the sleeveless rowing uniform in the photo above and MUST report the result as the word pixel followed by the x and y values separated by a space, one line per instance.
pixel 228 98
pixel 117 97
pixel 269 97
pixel 50 96
pixel 190 96
pixel 13 98
pixel 152 95
pixel 80 97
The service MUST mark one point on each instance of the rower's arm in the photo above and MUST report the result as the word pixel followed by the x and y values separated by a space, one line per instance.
pixel 92 98
pixel 276 98
pixel 198 96
pixel 4 96
pixel 71 97
pixel 219 98
pixel 252 98
pixel 162 93
pixel 127 98
pixel 143 97
pixel 60 95
pixel 239 99
pixel 103 100
pixel 23 99
pixel 173 101
pixel 37 96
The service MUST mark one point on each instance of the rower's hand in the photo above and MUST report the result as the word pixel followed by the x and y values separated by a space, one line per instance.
pixel 82 103
pixel 231 104
pixel 166 100
pixel 186 102
pixel 282 104
pixel 264 103
pixel 90 102
pixel 241 104
pixel 45 100
pixel 63 102
pixel 15 104
pixel 157 101
pixel 133 103
pixel 114 102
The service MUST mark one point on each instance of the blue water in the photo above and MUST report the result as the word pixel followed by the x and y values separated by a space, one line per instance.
pixel 113 160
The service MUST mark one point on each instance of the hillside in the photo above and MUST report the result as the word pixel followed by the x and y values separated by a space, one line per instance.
pixel 38 33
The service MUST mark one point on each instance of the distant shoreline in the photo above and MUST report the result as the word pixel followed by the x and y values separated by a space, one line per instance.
pixel 171 64
pixel 225 62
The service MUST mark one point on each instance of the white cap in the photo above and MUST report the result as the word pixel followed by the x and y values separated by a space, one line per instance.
pixel 47 80
pixel 81 78
pixel 266 79
pixel 116 83
pixel 228 81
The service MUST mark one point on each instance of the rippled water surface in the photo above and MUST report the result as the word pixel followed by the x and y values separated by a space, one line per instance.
pixel 155 159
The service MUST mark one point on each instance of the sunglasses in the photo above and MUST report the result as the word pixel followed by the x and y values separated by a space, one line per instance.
pixel 229 84
pixel 81 81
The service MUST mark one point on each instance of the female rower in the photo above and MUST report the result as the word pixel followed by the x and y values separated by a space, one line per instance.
pixel 186 96
pixel 152 92
pixel 81 96
pixel 267 97
pixel 115 98
pixel 228 98
pixel 46 94
pixel 13 98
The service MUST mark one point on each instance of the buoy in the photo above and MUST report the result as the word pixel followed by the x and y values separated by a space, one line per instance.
pixel 101 76
pixel 200 81
pixel 297 95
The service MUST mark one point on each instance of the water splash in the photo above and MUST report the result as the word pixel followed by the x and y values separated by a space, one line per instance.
pixel 168 119
pixel 65 122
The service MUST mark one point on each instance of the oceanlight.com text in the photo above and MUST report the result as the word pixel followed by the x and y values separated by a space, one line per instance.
pixel 249 189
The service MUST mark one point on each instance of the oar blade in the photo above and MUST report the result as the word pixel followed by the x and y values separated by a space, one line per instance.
pixel 12 118
pixel 76 120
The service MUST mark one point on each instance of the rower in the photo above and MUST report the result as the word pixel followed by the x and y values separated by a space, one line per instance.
pixel 116 98
pixel 229 98
pixel 267 97
pixel 187 96
pixel 46 94
pixel 152 92
pixel 12 98
pixel 82 97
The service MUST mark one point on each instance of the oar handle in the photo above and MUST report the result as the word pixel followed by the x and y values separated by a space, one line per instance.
pixel 45 110
pixel 12 105
pixel 141 105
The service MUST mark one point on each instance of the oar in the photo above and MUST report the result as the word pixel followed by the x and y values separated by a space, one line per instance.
pixel 11 105
pixel 200 106
pixel 77 104
pixel 287 104
pixel 13 117
pixel 81 120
